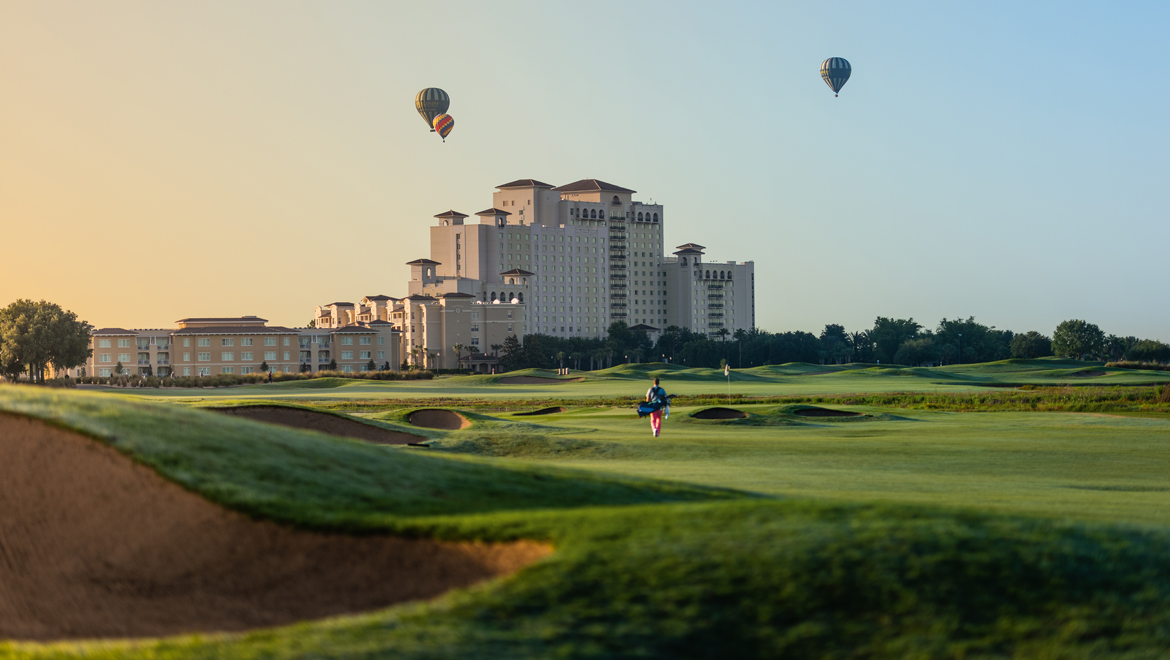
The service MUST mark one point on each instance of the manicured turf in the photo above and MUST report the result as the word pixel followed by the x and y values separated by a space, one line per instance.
pixel 632 380
pixel 900 534
pixel 1066 465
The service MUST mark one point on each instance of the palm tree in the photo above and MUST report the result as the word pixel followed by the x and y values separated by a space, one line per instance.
pixel 496 349
pixel 458 353
pixel 575 357
pixel 560 359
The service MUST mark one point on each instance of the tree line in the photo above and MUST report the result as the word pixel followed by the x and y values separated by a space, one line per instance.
pixel 37 335
pixel 888 341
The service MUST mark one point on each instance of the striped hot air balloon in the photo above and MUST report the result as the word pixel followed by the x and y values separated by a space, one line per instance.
pixel 430 103
pixel 835 71
pixel 444 124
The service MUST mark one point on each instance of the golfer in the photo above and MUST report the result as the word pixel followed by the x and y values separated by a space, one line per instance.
pixel 657 396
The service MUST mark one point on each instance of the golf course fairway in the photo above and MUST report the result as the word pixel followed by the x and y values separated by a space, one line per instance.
pixel 925 529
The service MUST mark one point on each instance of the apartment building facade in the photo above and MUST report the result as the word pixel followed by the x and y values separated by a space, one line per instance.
pixel 241 345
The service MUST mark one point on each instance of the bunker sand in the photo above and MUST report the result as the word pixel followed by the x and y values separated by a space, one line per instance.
pixel 93 545
pixel 437 418
pixel 720 413
pixel 323 422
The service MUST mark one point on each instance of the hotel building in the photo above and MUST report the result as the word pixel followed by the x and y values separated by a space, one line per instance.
pixel 559 260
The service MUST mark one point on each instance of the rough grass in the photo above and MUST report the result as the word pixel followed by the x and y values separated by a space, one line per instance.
pixel 647 569
pixel 312 479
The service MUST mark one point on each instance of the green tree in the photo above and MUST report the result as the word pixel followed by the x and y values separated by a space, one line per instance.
pixel 118 368
pixel 35 335
pixel 513 354
pixel 370 366
pixel 835 346
pixel 1077 338
pixel 918 351
pixel 889 334
pixel 1030 345
pixel 458 353
pixel 1148 350
pixel 264 366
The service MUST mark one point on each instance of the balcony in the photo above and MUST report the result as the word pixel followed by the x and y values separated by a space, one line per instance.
pixel 163 363
pixel 144 363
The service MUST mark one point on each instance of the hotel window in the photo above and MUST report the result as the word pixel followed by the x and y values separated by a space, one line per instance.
pixel 104 373
pixel 246 355
pixel 205 357
pixel 363 355
pixel 245 370
pixel 204 371
pixel 228 370
pixel 347 341
pixel 204 342
pixel 270 341
pixel 123 343
pixel 227 357
pixel 286 355
pixel 227 342
pixel 103 357
pixel 306 356
pixel 380 340
pixel 270 355
pixel 364 341
pixel 246 341
pixel 347 355
pixel 381 355
pixel 123 357
pixel 186 357
pixel 475 341
pixel 286 340
pixel 187 344
pixel 103 343
pixel 345 368
pixel 186 371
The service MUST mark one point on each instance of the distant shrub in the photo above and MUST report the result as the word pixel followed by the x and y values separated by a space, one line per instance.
pixel 1146 366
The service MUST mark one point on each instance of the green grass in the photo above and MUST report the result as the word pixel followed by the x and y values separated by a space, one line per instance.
pixel 633 380
pixel 316 480
pixel 910 533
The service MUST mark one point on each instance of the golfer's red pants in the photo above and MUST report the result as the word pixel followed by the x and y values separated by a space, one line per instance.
pixel 656 420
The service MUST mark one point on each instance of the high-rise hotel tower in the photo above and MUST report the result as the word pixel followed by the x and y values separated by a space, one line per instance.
pixel 578 257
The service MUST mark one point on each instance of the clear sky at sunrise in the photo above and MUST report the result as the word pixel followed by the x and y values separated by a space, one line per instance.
pixel 1003 160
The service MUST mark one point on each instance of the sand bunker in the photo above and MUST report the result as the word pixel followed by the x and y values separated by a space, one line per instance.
pixel 825 412
pixel 323 422
pixel 537 380
pixel 542 411
pixel 719 413
pixel 437 418
pixel 93 545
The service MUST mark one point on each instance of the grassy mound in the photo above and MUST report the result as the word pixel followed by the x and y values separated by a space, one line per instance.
pixel 312 479
pixel 312 384
pixel 530 446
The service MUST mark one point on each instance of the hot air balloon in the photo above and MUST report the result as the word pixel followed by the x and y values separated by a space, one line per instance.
pixel 444 124
pixel 430 103
pixel 835 71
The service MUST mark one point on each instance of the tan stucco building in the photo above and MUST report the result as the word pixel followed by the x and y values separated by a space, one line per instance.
pixel 241 345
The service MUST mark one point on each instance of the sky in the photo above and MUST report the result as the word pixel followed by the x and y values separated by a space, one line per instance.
pixel 1007 161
